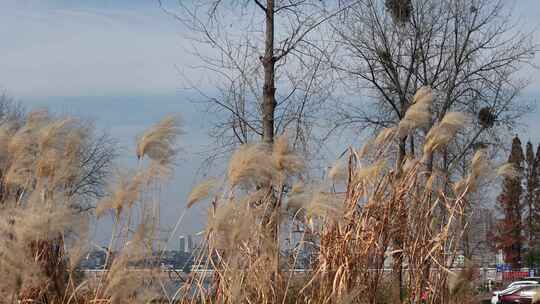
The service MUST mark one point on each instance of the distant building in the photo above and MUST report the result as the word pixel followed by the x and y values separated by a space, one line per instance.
pixel 186 243
pixel 182 243
pixel 190 243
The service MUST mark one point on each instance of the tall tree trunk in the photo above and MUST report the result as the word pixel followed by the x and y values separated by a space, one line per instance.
pixel 270 220
pixel 269 90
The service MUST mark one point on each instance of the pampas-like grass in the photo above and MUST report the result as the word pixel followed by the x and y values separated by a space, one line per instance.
pixel 158 142
pixel 338 172
pixel 17 270
pixel 124 195
pixel 232 223
pixel 443 132
pixel 344 238
pixel 419 113
pixel 201 191
pixel 42 222
pixel 258 165
pixel 285 160
pixel 52 134
pixel 124 285
pixel 350 234
pixel 81 244
pixel 480 167
pixel 384 136
pixel 327 206
pixel 314 201
pixel 370 173
pixel 508 170
pixel 251 165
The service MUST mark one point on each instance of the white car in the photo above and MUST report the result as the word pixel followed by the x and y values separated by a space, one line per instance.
pixel 511 288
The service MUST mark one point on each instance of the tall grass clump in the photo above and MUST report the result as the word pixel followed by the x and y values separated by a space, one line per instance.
pixel 344 230
pixel 273 235
pixel 43 222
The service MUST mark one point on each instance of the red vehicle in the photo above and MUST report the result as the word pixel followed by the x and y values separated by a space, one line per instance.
pixel 522 295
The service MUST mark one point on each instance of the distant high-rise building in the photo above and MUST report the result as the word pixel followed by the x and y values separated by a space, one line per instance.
pixel 189 243
pixel 182 241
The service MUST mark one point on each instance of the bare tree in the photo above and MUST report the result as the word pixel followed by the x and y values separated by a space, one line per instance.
pixel 10 110
pixel 95 154
pixel 266 70
pixel 467 51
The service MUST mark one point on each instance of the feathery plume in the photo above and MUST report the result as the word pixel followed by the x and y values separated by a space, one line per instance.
pixel 81 245
pixel 17 269
pixel 442 133
pixel 409 164
pixel 158 142
pixel 479 168
pixel 125 194
pixel 369 173
pixel 201 191
pixel 37 117
pixel 51 135
pixel 325 205
pixel 285 160
pixel 298 200
pixel 366 147
pixel 384 136
pixel 480 163
pixel 338 172
pixel 251 165
pixel 124 285
pixel 232 223
pixel 419 113
pixel 41 221
pixel 508 170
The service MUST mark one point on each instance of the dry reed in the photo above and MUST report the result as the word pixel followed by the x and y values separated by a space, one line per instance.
pixel 342 235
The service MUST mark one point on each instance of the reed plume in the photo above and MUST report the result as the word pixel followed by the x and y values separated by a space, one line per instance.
pixel 443 132
pixel 201 191
pixel 251 165
pixel 419 113
pixel 158 142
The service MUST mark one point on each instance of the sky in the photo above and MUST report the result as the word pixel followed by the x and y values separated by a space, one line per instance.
pixel 118 62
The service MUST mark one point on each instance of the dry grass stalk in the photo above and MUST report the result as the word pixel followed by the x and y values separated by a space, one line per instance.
pixel 347 237
pixel 507 170
pixel 443 132
pixel 158 142
pixel 41 231
pixel 419 113
pixel 338 172
pixel 201 191
pixel 250 166
pixel 351 234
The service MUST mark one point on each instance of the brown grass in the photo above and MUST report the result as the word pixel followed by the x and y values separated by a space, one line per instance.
pixel 344 230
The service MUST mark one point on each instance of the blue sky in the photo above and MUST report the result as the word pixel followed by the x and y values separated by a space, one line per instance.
pixel 117 62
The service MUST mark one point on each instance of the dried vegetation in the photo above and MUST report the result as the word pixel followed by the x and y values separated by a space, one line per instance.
pixel 266 221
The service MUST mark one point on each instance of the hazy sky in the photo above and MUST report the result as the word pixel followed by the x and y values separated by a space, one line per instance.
pixel 117 61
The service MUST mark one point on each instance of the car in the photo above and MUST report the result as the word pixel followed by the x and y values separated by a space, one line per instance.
pixel 524 282
pixel 536 279
pixel 520 295
pixel 509 289
pixel 495 299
